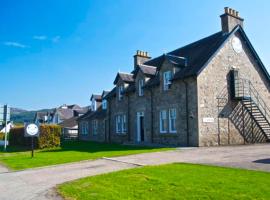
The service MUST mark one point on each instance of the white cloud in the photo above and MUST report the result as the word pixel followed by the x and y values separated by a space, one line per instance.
pixel 15 44
pixel 56 39
pixel 40 37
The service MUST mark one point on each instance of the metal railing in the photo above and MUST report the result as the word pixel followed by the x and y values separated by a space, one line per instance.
pixel 246 91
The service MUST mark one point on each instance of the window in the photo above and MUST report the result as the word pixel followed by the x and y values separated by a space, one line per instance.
pixel 104 104
pixel 120 92
pixel 94 105
pixel 163 121
pixel 167 76
pixel 141 84
pixel 124 124
pixel 84 128
pixel 94 127
pixel 172 120
pixel 118 124
pixel 121 124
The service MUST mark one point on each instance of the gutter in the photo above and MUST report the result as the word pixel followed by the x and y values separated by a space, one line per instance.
pixel 187 109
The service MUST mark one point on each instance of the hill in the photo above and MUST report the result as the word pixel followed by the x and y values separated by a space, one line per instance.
pixel 19 116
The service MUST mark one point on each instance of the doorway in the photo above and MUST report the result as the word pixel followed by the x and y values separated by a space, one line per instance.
pixel 140 127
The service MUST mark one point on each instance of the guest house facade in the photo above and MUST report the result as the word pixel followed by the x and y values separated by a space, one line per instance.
pixel 214 91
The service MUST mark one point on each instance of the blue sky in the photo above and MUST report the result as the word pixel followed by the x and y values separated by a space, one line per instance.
pixel 61 51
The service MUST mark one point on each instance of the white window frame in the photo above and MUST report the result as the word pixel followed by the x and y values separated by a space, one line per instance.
pixel 95 127
pixel 172 116
pixel 121 124
pixel 94 105
pixel 120 92
pixel 104 104
pixel 163 118
pixel 84 128
pixel 124 123
pixel 118 124
pixel 141 85
pixel 167 76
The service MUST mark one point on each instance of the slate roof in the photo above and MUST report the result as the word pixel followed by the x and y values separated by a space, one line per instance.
pixel 131 88
pixel 196 53
pixel 41 115
pixel 111 94
pixel 85 116
pixel 152 82
pixel 146 69
pixel 127 78
pixel 69 123
pixel 99 114
pixel 74 107
pixel 65 113
pixel 97 97
pixel 104 93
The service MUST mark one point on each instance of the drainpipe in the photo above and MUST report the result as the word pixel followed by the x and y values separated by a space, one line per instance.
pixel 187 109
pixel 152 116
pixel 109 121
pixel 128 118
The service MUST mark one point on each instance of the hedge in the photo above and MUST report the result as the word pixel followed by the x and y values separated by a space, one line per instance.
pixel 49 137
pixel 2 136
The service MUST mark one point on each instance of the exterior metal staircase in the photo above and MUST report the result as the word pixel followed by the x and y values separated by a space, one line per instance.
pixel 245 92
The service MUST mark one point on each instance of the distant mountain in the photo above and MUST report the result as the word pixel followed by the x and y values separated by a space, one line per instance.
pixel 19 116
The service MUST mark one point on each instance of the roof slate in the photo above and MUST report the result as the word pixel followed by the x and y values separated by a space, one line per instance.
pixel 196 53
pixel 127 78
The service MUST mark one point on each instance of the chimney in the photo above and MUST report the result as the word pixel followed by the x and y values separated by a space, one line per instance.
pixel 230 19
pixel 140 57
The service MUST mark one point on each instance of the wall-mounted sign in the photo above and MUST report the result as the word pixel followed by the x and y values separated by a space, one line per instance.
pixel 31 130
pixel 208 120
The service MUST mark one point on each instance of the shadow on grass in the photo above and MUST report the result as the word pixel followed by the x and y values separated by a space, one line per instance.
pixel 14 149
pixel 93 147
pixel 263 161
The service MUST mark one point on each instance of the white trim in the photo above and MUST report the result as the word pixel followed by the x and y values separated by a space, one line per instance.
pixel 161 118
pixel 95 127
pixel 120 91
pixel 170 122
pixel 139 114
pixel 167 76
pixel 141 90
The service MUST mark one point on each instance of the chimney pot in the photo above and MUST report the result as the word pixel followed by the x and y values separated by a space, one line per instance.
pixel 230 19
pixel 140 57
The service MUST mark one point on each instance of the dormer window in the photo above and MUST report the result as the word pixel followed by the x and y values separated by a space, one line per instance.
pixel 141 85
pixel 167 77
pixel 104 104
pixel 120 92
pixel 94 105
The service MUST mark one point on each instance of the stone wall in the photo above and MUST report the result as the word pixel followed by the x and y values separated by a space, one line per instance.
pixel 225 116
pixel 117 108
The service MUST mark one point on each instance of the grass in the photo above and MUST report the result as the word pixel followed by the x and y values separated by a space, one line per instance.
pixel 171 182
pixel 18 158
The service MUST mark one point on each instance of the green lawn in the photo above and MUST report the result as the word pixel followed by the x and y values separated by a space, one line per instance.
pixel 18 158
pixel 174 181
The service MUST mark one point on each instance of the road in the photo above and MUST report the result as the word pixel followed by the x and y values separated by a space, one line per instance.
pixel 39 183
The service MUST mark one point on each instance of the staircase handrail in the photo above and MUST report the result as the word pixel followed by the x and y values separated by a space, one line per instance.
pixel 256 98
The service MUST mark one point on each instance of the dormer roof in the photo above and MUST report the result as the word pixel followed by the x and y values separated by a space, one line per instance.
pixel 125 77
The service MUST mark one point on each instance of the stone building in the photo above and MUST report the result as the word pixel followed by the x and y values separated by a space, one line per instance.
pixel 214 91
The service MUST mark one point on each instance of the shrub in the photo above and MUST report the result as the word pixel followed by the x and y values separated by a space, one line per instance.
pixel 2 136
pixel 49 137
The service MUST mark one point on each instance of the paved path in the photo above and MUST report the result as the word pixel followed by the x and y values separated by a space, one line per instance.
pixel 3 169
pixel 38 184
